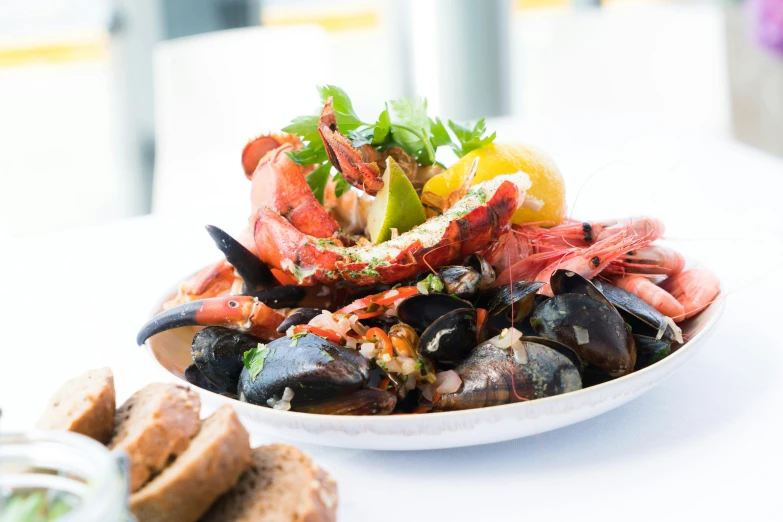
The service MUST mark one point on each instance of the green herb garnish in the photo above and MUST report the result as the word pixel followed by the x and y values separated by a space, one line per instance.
pixel 254 360
pixel 403 123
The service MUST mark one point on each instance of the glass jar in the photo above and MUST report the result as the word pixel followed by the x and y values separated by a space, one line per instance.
pixel 73 476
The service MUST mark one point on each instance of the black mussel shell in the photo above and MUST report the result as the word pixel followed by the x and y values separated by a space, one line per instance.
pixel 369 401
pixel 383 322
pixel 562 349
pixel 593 329
pixel 461 281
pixel 218 353
pixel 284 296
pixel 314 368
pixel 301 316
pixel 492 376
pixel 568 282
pixel 643 318
pixel 482 266
pixel 451 337
pixel 650 350
pixel 250 268
pixel 420 311
pixel 194 376
pixel 520 294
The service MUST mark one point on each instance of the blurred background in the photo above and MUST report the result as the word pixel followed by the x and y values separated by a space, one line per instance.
pixel 115 108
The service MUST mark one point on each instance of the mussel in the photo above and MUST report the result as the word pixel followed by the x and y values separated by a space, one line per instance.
pixel 482 266
pixel 492 376
pixel 592 328
pixel 368 401
pixel 194 376
pixel 314 368
pixel 420 311
pixel 509 305
pixel 218 352
pixel 450 337
pixel 643 318
pixel 650 350
pixel 300 316
pixel 461 281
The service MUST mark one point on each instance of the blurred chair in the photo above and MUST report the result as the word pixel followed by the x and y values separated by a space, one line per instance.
pixel 213 93
pixel 664 63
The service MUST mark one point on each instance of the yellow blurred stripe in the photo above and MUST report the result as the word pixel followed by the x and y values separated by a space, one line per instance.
pixel 53 53
pixel 330 22
pixel 532 4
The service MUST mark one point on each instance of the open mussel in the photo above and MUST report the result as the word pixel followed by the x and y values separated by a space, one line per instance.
pixel 451 337
pixel 492 376
pixel 509 305
pixel 593 329
pixel 482 266
pixel 313 368
pixel 461 281
pixel 218 352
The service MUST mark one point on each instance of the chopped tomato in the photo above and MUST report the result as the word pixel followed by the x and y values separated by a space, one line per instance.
pixel 481 318
pixel 363 314
pixel 387 298
pixel 321 332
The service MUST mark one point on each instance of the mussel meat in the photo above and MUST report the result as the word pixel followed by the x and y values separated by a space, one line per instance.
pixel 492 376
pixel 218 352
pixel 461 281
pixel 314 368
pixel 482 266
pixel 593 329
pixel 451 337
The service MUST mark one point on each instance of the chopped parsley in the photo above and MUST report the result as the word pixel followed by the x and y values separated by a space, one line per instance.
pixel 326 354
pixel 254 360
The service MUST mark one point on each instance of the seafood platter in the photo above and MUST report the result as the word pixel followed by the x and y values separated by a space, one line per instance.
pixel 382 296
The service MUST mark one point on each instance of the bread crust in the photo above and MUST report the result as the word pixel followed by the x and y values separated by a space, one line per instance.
pixel 211 465
pixel 85 405
pixel 155 424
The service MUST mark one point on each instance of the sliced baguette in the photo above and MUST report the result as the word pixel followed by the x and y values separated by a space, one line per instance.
pixel 155 424
pixel 84 404
pixel 210 466
pixel 282 485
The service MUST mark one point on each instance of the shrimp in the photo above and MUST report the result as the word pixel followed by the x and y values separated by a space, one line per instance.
pixel 653 260
pixel 652 294
pixel 695 289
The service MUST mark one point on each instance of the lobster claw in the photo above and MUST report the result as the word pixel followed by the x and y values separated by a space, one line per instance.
pixel 244 313
pixel 344 157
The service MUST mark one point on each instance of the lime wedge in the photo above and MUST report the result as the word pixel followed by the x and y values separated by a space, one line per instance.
pixel 396 205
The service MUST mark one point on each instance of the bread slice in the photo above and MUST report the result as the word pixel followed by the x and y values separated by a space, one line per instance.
pixel 155 424
pixel 85 405
pixel 210 466
pixel 282 485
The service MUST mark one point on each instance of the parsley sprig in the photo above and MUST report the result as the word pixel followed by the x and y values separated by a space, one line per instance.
pixel 403 123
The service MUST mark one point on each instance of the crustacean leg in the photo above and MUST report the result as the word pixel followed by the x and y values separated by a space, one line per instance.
pixel 344 157
pixel 244 313
pixel 278 183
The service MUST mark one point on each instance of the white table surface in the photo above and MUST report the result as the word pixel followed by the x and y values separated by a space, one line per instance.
pixel 705 444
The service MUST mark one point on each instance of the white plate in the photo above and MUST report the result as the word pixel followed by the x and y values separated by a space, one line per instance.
pixel 171 350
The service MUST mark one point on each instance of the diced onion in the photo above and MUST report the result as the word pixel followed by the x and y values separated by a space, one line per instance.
pixel 582 335
pixel 408 365
pixel 283 403
pixel 520 352
pixel 393 366
pixel 368 350
pixel 506 338
pixel 423 288
pixel 447 382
